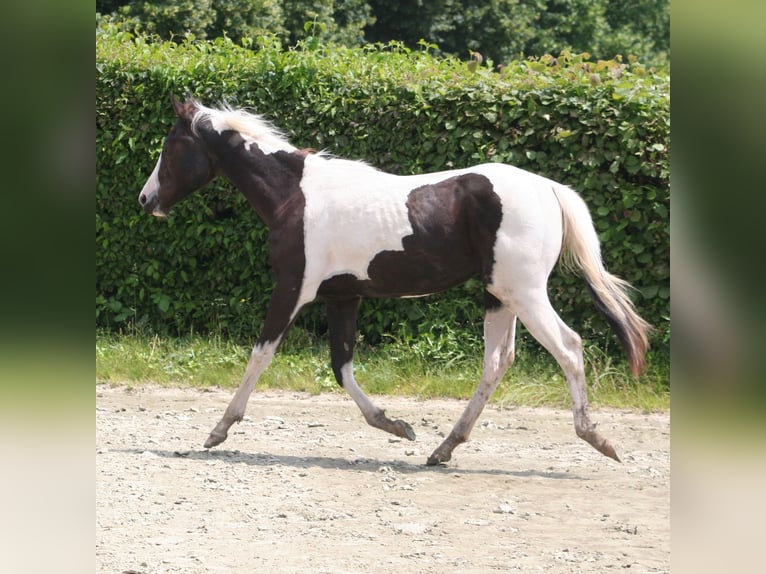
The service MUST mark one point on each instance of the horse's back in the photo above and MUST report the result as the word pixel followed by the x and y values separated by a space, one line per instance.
pixel 409 235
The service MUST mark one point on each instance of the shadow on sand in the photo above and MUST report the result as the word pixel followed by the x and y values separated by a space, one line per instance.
pixel 341 463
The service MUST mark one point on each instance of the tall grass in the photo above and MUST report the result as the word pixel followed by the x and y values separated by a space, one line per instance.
pixel 426 367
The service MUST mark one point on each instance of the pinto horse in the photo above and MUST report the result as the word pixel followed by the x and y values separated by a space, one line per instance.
pixel 340 230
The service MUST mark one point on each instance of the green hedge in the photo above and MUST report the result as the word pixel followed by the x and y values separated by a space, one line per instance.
pixel 602 128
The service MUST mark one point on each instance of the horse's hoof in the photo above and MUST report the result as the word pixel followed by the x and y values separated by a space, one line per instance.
pixel 598 442
pixel 608 450
pixel 215 439
pixel 436 459
pixel 404 430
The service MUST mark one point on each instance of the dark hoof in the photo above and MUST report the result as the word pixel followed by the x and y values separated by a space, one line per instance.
pixel 404 430
pixel 601 444
pixel 436 459
pixel 215 439
pixel 608 450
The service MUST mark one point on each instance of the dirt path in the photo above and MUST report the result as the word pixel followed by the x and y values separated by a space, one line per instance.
pixel 304 485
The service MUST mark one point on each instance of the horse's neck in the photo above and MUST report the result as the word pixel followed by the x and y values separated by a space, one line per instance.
pixel 269 181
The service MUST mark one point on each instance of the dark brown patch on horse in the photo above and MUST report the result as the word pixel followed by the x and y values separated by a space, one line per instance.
pixel 271 184
pixel 454 225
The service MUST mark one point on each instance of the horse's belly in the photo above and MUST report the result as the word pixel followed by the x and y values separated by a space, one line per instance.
pixel 403 274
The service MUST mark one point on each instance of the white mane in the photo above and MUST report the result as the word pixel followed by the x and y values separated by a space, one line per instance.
pixel 252 127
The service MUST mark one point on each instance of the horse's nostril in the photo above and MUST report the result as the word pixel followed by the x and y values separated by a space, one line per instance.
pixel 142 199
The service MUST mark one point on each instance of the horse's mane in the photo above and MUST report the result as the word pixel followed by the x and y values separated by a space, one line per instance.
pixel 255 127
pixel 248 125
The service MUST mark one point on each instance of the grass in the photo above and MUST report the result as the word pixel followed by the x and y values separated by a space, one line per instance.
pixel 417 369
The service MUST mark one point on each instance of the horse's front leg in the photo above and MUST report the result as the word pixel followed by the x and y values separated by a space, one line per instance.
pixel 283 307
pixel 341 320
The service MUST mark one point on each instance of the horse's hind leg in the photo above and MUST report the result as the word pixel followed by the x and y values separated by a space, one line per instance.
pixel 341 319
pixel 499 345
pixel 544 324
pixel 282 311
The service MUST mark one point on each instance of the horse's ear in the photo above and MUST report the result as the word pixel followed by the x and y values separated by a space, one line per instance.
pixel 185 110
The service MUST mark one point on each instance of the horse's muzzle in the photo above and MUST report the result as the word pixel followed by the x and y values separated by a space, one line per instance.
pixel 151 205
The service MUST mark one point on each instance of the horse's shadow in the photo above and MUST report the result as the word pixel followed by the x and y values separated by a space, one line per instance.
pixel 371 465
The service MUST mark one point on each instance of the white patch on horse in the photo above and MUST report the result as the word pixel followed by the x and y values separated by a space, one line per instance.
pixel 263 145
pixel 353 212
pixel 528 244
pixel 152 187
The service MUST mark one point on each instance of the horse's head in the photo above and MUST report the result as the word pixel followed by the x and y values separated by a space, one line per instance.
pixel 183 166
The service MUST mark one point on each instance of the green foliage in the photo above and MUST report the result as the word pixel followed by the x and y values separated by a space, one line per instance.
pixel 638 27
pixel 602 128
pixel 168 17
pixel 339 21
pixel 243 20
pixel 290 21
pixel 501 30
pixel 579 24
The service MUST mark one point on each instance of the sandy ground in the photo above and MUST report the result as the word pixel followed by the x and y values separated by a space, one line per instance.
pixel 304 485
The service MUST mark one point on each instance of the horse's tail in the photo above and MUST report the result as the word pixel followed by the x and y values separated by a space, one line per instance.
pixel 581 251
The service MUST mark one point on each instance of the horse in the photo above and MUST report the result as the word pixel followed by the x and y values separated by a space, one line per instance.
pixel 341 230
